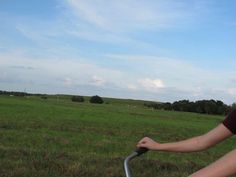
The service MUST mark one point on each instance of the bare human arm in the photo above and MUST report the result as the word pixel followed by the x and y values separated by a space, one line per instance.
pixel 223 167
pixel 198 143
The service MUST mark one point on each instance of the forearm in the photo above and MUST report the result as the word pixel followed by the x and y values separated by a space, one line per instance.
pixel 223 167
pixel 189 145
pixel 198 143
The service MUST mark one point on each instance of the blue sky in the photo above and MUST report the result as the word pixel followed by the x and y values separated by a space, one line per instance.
pixel 161 50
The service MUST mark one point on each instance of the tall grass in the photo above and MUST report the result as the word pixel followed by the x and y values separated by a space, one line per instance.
pixel 59 138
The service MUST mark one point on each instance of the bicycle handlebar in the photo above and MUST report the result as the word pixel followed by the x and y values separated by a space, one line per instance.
pixel 136 153
pixel 141 151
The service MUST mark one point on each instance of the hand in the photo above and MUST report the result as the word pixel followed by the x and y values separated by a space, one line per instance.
pixel 148 143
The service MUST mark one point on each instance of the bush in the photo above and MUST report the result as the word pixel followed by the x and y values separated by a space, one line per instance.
pixel 77 99
pixel 44 97
pixel 96 99
pixel 201 106
pixel 233 105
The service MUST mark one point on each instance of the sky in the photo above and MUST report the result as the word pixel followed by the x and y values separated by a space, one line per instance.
pixel 159 50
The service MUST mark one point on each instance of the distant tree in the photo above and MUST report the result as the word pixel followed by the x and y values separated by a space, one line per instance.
pixel 175 106
pixel 222 109
pixel 201 106
pixel 154 105
pixel 77 98
pixel 191 107
pixel 167 106
pixel 44 97
pixel 233 105
pixel 96 99
pixel 184 105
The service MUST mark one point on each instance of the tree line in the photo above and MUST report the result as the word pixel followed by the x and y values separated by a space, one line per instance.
pixel 202 106
pixel 14 93
pixel 93 99
pixel 21 94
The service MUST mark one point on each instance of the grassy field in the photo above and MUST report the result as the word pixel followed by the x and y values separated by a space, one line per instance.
pixel 59 138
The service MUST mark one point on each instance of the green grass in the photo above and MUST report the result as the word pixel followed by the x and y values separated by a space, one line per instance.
pixel 59 138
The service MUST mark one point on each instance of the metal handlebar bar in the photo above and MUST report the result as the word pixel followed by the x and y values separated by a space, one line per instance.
pixel 136 153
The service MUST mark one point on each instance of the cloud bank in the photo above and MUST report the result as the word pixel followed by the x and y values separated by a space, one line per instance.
pixel 107 47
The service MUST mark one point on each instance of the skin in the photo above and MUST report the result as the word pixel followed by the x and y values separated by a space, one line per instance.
pixel 223 167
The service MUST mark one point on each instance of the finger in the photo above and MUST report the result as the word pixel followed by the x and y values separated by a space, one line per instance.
pixel 141 140
pixel 144 140
pixel 142 146
pixel 138 145
pixel 141 143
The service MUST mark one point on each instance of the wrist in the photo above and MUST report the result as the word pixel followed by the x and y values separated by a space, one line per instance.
pixel 159 147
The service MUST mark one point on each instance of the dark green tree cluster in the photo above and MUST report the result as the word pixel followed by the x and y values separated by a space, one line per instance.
pixel 201 106
pixel 96 99
pixel 234 105
pixel 13 93
pixel 77 98
pixel 44 97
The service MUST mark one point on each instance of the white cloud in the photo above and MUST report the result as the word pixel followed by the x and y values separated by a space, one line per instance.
pixel 53 49
pixel 232 91
pixel 157 81
pixel 51 71
pixel 182 79
pixel 175 72
pixel 87 11
pixel 151 84
pixel 126 15
pixel 132 87
pixel 68 81
pixel 108 22
pixel 98 81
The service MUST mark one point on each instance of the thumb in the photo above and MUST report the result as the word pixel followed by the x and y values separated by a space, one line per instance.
pixel 141 145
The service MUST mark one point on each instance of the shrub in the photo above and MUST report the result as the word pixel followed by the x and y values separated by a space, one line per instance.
pixel 96 99
pixel 44 97
pixel 201 106
pixel 77 98
pixel 233 105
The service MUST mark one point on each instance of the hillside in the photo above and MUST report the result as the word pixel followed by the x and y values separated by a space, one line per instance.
pixel 59 138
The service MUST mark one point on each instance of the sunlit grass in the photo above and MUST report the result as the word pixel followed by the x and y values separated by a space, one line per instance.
pixel 57 137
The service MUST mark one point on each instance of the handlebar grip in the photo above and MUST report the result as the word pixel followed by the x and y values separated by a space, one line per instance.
pixel 141 151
